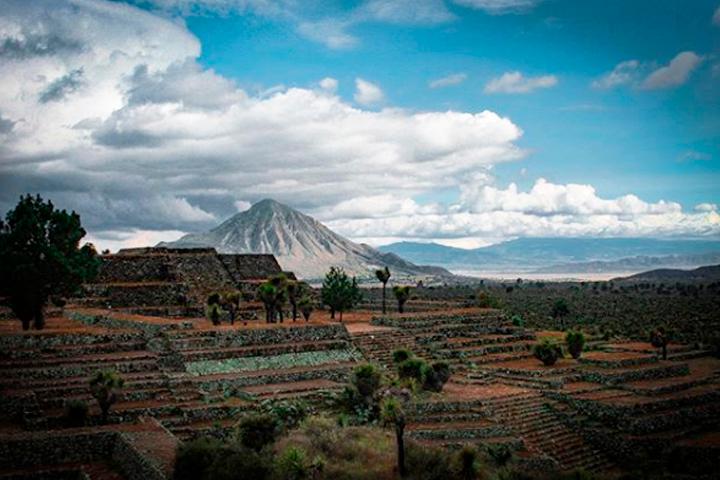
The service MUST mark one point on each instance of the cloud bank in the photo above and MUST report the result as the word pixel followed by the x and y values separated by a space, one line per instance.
pixel 119 122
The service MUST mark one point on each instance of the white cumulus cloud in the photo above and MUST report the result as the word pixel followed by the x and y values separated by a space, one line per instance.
pixel 449 80
pixel 516 82
pixel 367 93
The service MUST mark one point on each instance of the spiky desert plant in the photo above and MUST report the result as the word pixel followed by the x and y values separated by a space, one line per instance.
pixel 393 414
pixel 575 341
pixel 104 387
pixel 383 275
pixel 402 294
pixel 547 352
pixel 306 306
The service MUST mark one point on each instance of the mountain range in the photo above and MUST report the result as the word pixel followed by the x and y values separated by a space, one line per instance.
pixel 302 245
pixel 702 274
pixel 564 255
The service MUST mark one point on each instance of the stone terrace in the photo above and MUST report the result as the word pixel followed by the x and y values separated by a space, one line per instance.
pixel 185 378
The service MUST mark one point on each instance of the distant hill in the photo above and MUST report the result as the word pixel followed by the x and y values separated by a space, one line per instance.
pixel 634 264
pixel 302 245
pixel 703 274
pixel 565 255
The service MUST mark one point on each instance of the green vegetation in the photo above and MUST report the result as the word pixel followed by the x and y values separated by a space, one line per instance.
pixel 659 338
pixel 257 430
pixel 485 300
pixel 383 275
pixel 230 302
pixel 393 414
pixel 339 292
pixel 285 360
pixel 306 307
pixel 402 295
pixel 575 341
pixel 400 355
pixel 104 387
pixel 40 256
pixel 560 310
pixel 76 413
pixel 547 352
pixel 213 310
pixel 297 292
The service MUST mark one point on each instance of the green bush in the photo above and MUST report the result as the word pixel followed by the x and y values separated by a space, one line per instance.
pixel 257 430
pixel 289 413
pixel 485 300
pixel 194 458
pixel 500 453
pixel 547 352
pixel 237 463
pixel 400 355
pixel 435 375
pixel 427 463
pixel 414 368
pixel 366 379
pixel 76 413
pixel 442 370
pixel 518 321
pixel 466 463
pixel 575 341
pixel 292 464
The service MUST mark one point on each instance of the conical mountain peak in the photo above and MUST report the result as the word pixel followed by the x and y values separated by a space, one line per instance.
pixel 300 243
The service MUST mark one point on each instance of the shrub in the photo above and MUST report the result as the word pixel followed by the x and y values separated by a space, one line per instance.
pixel 518 321
pixel 466 463
pixel 413 368
pixel 400 355
pixel 213 299
pixel 238 463
pixel 292 464
pixel 194 458
pixel 104 386
pixel 257 430
pixel 547 352
pixel 289 413
pixel 366 379
pixel 485 300
pixel 436 376
pixel 427 463
pixel 575 341
pixel 76 413
pixel 213 313
pixel 499 453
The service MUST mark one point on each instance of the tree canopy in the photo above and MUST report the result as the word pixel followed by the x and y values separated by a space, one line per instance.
pixel 40 256
pixel 339 292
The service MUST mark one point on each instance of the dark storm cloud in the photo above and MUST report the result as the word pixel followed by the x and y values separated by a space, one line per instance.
pixel 6 125
pixel 63 86
pixel 34 45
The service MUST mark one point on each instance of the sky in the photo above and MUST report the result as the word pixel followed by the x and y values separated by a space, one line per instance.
pixel 464 122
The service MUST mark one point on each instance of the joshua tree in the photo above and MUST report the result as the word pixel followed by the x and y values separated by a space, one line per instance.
pixel 268 296
pixel 559 311
pixel 40 256
pixel 402 294
pixel 339 292
pixel 547 352
pixel 295 292
pixel 280 282
pixel 306 307
pixel 575 342
pixel 393 413
pixel 104 386
pixel 214 310
pixel 383 275
pixel 659 338
pixel 230 302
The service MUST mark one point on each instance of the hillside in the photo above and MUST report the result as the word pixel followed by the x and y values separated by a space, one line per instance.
pixel 301 244
pixel 667 275
pixel 564 255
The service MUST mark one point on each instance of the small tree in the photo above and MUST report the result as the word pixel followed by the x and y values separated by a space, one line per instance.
pixel 104 387
pixel 366 379
pixel 659 338
pixel 339 292
pixel 485 300
pixel 575 341
pixel 383 275
pixel 257 430
pixel 295 291
pixel 560 310
pixel 393 413
pixel 400 355
pixel 280 282
pixel 547 352
pixel 230 302
pixel 40 256
pixel 306 307
pixel 402 294
pixel 467 463
pixel 213 310
pixel 267 293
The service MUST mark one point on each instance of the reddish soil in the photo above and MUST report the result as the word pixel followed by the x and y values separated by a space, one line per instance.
pixel 54 326
pixel 291 386
pixel 456 391
pixel 533 364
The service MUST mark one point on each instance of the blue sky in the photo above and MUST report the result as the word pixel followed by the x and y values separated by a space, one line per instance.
pixel 465 122
pixel 624 139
